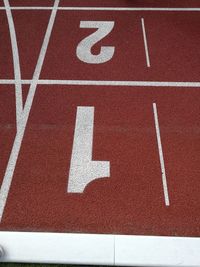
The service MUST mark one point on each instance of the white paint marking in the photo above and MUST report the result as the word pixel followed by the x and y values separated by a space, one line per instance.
pixel 145 43
pixel 162 164
pixel 25 114
pixel 17 71
pixel 84 48
pixel 83 169
pixel 107 83
pixel 165 9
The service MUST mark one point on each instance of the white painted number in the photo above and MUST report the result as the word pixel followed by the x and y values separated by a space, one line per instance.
pixel 83 169
pixel 83 50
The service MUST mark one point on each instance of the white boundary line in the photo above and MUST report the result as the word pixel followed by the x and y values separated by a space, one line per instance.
pixel 162 163
pixel 7 180
pixel 106 8
pixel 107 83
pixel 100 249
pixel 145 43
pixel 17 71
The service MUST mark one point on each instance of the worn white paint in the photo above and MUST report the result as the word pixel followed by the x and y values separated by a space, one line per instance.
pixel 145 43
pixel 16 63
pixel 163 9
pixel 83 169
pixel 107 83
pixel 83 50
pixel 8 176
pixel 161 157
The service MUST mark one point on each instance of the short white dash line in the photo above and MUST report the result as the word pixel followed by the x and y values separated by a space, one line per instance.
pixel 17 71
pixel 145 43
pixel 7 180
pixel 162 164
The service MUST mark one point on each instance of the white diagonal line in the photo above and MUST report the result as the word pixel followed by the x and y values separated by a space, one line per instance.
pixel 162 163
pixel 17 71
pixel 7 180
pixel 145 43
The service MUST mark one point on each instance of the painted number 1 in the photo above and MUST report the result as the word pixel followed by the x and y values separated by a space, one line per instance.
pixel 83 169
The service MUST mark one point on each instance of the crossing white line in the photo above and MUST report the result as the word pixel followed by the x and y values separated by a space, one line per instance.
pixel 7 180
pixel 162 163
pixel 165 9
pixel 145 43
pixel 106 83
pixel 17 71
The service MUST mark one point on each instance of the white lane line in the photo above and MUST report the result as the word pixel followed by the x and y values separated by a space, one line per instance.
pixel 106 8
pixel 17 71
pixel 145 43
pixel 25 114
pixel 107 83
pixel 162 164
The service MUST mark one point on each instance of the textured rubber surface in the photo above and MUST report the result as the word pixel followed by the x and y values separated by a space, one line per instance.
pixel 131 200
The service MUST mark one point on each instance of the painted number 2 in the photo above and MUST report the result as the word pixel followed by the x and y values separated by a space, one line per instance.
pixel 83 50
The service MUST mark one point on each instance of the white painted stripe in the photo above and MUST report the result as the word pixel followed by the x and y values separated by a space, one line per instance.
pixel 83 169
pixel 162 164
pixel 145 43
pixel 107 83
pixel 99 249
pixel 7 81
pixel 25 114
pixel 17 71
pixel 165 9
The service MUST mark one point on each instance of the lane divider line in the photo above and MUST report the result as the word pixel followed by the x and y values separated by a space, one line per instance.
pixel 16 64
pixel 107 83
pixel 145 43
pixel 165 9
pixel 7 180
pixel 161 157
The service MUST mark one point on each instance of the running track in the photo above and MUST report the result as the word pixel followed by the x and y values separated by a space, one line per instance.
pixel 100 117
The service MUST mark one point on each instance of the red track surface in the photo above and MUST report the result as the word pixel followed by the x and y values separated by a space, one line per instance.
pixel 131 200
